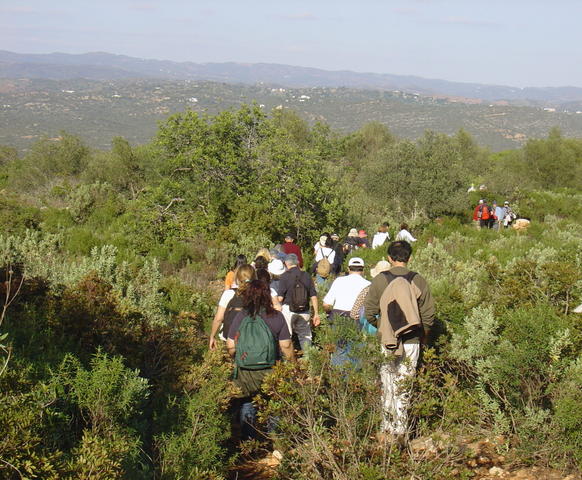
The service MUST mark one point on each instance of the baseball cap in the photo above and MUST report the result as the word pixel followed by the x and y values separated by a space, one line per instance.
pixel 356 262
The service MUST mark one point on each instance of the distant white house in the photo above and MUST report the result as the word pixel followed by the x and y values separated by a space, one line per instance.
pixel 193 100
pixel 549 109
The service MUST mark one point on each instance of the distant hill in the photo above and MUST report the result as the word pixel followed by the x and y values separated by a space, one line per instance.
pixel 106 66
pixel 97 110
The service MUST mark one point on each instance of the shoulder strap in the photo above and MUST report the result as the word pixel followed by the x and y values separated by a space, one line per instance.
pixel 408 276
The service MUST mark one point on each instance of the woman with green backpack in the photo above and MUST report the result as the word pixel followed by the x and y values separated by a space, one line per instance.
pixel 257 337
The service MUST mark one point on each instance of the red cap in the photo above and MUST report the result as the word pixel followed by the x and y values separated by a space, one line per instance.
pixel 362 233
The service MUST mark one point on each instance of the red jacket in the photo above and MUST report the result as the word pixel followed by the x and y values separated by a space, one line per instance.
pixel 476 213
pixel 289 247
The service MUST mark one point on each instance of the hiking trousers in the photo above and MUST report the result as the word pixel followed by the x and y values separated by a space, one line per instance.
pixel 299 323
pixel 395 375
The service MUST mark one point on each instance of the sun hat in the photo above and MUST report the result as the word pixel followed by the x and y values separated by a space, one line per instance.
pixel 380 267
pixel 353 233
pixel 362 233
pixel 276 267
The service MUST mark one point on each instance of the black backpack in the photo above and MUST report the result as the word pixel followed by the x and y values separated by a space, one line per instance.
pixel 299 296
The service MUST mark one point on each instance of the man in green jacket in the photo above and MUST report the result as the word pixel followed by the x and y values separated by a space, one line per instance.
pixel 401 361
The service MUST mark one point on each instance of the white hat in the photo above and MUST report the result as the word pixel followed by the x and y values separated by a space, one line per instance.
pixel 353 233
pixel 380 267
pixel 276 267
pixel 356 262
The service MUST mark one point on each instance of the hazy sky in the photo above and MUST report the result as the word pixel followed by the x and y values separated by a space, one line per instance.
pixel 510 42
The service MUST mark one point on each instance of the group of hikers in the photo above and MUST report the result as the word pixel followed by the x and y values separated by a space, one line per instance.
pixel 493 216
pixel 272 299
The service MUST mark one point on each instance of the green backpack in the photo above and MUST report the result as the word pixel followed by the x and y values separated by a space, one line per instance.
pixel 255 345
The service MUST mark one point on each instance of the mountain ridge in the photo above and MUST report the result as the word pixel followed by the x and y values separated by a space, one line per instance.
pixel 104 66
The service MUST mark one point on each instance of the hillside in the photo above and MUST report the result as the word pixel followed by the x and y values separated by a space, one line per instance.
pixel 98 110
pixel 112 263
pixel 106 66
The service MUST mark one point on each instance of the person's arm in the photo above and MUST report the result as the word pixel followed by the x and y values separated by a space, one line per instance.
pixel 230 346
pixel 316 319
pixel 216 323
pixel 299 256
pixel 426 307
pixel 277 303
pixel 286 347
pixel 372 302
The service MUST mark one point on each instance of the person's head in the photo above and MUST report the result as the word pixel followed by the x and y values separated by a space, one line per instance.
pixel 261 262
pixel 362 234
pixel 383 228
pixel 244 274
pixel 257 297
pixel 506 203
pixel 325 241
pixel 290 237
pixel 263 275
pixel 240 260
pixel 481 202
pixel 264 252
pixel 356 265
pixel 353 233
pixel 494 203
pixel 404 226
pixel 399 251
pixel 276 268
pixel 291 260
pixel 335 237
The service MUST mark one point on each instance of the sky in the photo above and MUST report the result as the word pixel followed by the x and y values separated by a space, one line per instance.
pixel 512 42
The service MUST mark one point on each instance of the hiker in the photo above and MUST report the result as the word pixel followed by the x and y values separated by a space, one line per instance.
pixel 260 263
pixel 229 279
pixel 381 235
pixel 363 239
pixel 484 215
pixel 508 215
pixel 351 242
pixel 324 259
pixel 264 276
pixel 291 247
pixel 476 215
pixel 498 215
pixel 339 301
pixel 406 308
pixel 404 234
pixel 230 303
pixel 358 311
pixel 296 292
pixel 338 259
pixel 321 241
pixel 257 337
pixel 276 269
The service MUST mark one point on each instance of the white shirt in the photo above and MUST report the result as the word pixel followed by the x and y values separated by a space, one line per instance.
pixel 325 252
pixel 405 235
pixel 226 297
pixel 380 238
pixel 344 291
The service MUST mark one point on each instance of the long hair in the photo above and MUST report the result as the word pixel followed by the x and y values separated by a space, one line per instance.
pixel 240 260
pixel 244 274
pixel 257 297
pixel 264 252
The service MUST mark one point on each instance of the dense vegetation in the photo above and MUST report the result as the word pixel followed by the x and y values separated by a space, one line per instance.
pixel 108 261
